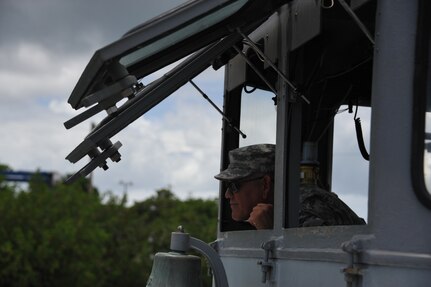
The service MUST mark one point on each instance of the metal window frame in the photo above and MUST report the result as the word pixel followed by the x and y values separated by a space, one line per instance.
pixel 96 75
pixel 421 90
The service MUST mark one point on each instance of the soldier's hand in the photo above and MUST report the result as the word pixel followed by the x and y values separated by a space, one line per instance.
pixel 262 216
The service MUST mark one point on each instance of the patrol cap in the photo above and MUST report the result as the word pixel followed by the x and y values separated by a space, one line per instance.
pixel 249 162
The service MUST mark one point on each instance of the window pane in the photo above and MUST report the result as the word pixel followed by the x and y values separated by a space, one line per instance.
pixel 258 117
pixel 182 34
pixel 427 151
pixel 350 169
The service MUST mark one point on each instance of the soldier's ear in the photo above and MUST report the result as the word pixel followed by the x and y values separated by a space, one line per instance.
pixel 266 186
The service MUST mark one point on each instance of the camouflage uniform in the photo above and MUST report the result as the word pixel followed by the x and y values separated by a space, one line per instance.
pixel 318 207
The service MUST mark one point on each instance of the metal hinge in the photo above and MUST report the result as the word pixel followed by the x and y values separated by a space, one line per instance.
pixel 354 248
pixel 267 266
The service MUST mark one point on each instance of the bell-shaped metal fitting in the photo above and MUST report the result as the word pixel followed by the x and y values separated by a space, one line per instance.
pixel 175 270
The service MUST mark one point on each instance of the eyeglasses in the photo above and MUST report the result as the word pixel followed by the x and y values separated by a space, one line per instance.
pixel 234 187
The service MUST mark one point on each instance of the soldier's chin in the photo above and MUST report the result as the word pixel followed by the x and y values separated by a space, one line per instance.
pixel 237 217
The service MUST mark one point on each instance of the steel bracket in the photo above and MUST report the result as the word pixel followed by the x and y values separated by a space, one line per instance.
pixel 354 248
pixel 266 265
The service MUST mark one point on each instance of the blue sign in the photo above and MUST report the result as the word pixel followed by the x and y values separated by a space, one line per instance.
pixel 25 176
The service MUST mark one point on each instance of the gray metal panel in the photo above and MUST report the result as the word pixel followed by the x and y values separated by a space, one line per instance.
pixel 305 23
pixel 307 273
pixel 396 216
pixel 268 31
pixel 243 272
pixel 321 242
pixel 396 277
pixel 309 270
pixel 397 259
pixel 235 73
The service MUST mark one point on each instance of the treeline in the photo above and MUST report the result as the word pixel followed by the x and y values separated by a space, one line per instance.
pixel 64 236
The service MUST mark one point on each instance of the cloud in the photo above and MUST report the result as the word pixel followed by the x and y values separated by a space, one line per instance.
pixel 44 48
pixel 73 26
pixel 258 118
pixel 358 203
pixel 180 148
pixel 350 171
pixel 35 138
pixel 29 72
pixel 344 131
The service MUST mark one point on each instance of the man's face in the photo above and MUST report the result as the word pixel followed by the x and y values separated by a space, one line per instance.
pixel 248 195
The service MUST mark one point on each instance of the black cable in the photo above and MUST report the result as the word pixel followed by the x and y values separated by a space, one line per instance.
pixel 342 73
pixel 249 91
pixel 360 137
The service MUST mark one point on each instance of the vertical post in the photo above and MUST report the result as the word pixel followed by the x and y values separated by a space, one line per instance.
pixel 288 142
pixel 125 185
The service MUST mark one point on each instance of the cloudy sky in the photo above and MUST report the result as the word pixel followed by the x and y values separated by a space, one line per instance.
pixel 44 47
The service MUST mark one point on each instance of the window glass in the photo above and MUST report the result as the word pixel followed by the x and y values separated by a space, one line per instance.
pixel 350 169
pixel 427 147
pixel 182 34
pixel 421 147
pixel 258 117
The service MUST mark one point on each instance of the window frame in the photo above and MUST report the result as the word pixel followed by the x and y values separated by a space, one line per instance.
pixel 421 91
pixel 97 76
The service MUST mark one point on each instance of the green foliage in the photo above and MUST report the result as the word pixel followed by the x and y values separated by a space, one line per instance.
pixel 66 236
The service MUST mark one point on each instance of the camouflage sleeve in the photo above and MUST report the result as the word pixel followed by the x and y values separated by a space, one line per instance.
pixel 323 208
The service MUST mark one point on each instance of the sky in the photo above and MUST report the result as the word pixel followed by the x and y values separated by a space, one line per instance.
pixel 44 47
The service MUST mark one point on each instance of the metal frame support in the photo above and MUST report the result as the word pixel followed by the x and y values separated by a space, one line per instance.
pixel 98 159
pixel 272 65
pixel 147 98
pixel 228 121
pixel 255 69
pixel 358 21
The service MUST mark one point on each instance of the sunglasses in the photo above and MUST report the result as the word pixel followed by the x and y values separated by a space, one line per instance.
pixel 234 187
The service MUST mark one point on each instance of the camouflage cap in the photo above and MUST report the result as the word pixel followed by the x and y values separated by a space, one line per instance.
pixel 248 162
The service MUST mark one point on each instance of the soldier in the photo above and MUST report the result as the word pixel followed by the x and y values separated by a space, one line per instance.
pixel 250 182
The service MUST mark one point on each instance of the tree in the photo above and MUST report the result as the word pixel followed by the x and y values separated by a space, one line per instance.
pixel 63 236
